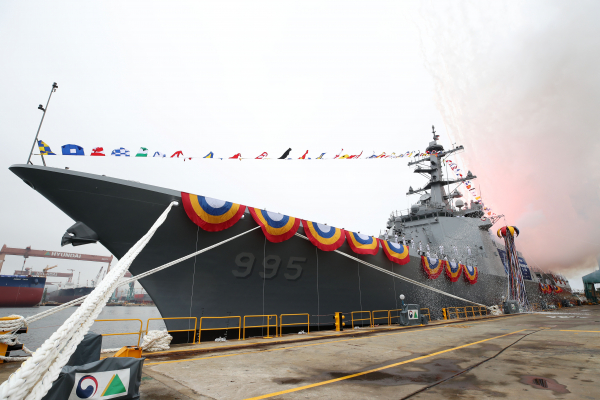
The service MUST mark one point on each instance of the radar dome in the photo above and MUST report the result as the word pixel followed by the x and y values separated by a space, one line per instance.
pixel 459 203
pixel 414 209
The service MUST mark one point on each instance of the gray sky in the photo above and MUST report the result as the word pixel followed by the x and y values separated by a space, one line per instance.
pixel 250 77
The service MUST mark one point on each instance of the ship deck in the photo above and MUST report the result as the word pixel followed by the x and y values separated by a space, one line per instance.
pixel 541 355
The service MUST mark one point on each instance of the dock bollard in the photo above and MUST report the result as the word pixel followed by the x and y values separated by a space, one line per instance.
pixel 339 324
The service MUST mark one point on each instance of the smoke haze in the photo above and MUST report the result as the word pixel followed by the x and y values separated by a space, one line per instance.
pixel 518 84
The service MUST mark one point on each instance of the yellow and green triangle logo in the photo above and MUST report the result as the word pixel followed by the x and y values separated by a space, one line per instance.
pixel 115 386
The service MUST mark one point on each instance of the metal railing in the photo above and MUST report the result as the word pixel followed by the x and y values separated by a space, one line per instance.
pixel 387 316
pixel 281 324
pixel 360 319
pixel 268 326
pixel 239 327
pixel 177 330
pixel 458 311
pixel 390 316
pixel 124 333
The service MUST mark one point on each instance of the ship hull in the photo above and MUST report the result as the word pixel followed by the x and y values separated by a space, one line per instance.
pixel 65 295
pixel 231 280
pixel 21 291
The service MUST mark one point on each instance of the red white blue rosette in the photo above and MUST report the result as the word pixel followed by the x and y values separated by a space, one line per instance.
pixel 453 270
pixel 362 244
pixel 325 237
pixel 276 227
pixel 471 274
pixel 210 214
pixel 432 267
pixel 395 252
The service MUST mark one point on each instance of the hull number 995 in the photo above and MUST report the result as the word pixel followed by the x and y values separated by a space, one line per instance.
pixel 271 264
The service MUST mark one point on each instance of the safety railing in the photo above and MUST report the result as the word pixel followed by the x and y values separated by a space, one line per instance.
pixel 239 327
pixel 360 319
pixel 464 312
pixel 281 324
pixel 387 316
pixel 124 333
pixel 177 330
pixel 390 316
pixel 268 326
pixel 427 313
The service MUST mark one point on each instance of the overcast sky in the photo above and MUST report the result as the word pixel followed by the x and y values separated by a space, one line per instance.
pixel 516 83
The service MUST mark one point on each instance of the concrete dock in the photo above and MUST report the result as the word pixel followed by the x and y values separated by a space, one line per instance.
pixel 541 355
pixel 545 355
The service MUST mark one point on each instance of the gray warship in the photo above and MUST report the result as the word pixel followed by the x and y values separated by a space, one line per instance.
pixel 252 276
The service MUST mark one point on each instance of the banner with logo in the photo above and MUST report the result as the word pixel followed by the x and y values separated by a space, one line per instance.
pixel 110 378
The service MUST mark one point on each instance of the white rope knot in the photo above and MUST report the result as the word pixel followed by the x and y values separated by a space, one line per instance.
pixel 12 325
pixel 153 341
pixel 157 341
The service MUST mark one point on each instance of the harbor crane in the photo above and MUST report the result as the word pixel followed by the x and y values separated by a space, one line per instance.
pixel 29 252
pixel 97 279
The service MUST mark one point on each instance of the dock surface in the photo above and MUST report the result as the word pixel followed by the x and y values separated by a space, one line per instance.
pixel 545 355
pixel 533 356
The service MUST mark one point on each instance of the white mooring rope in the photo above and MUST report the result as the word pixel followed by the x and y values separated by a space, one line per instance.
pixel 37 373
pixel 153 341
pixel 24 321
pixel 385 271
pixel 52 356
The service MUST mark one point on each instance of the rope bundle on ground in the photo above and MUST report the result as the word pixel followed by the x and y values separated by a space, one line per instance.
pixel 153 341
pixel 11 338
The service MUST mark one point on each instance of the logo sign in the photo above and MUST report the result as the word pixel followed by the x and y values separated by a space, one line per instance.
pixel 101 385
pixel 413 314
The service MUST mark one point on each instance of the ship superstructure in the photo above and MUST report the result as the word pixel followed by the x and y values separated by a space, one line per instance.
pixel 440 224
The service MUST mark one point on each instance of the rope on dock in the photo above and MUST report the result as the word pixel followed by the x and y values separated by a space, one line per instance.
pixel 11 326
pixel 36 375
pixel 399 276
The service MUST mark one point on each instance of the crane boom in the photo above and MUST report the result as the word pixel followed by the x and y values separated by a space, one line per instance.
pixel 28 252
pixel 97 279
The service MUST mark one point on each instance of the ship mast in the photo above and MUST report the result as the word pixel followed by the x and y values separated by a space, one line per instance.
pixel 432 165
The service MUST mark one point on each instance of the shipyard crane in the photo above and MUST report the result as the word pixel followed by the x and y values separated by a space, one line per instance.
pixel 97 279
pixel 28 271
pixel 28 252
pixel 45 270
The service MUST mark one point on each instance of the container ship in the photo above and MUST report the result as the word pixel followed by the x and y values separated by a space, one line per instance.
pixel 21 291
pixel 269 270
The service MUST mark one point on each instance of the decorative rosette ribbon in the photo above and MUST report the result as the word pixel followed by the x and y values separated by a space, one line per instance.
pixel 276 227
pixel 211 214
pixel 362 244
pixel 432 267
pixel 325 237
pixel 471 274
pixel 395 252
pixel 453 270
